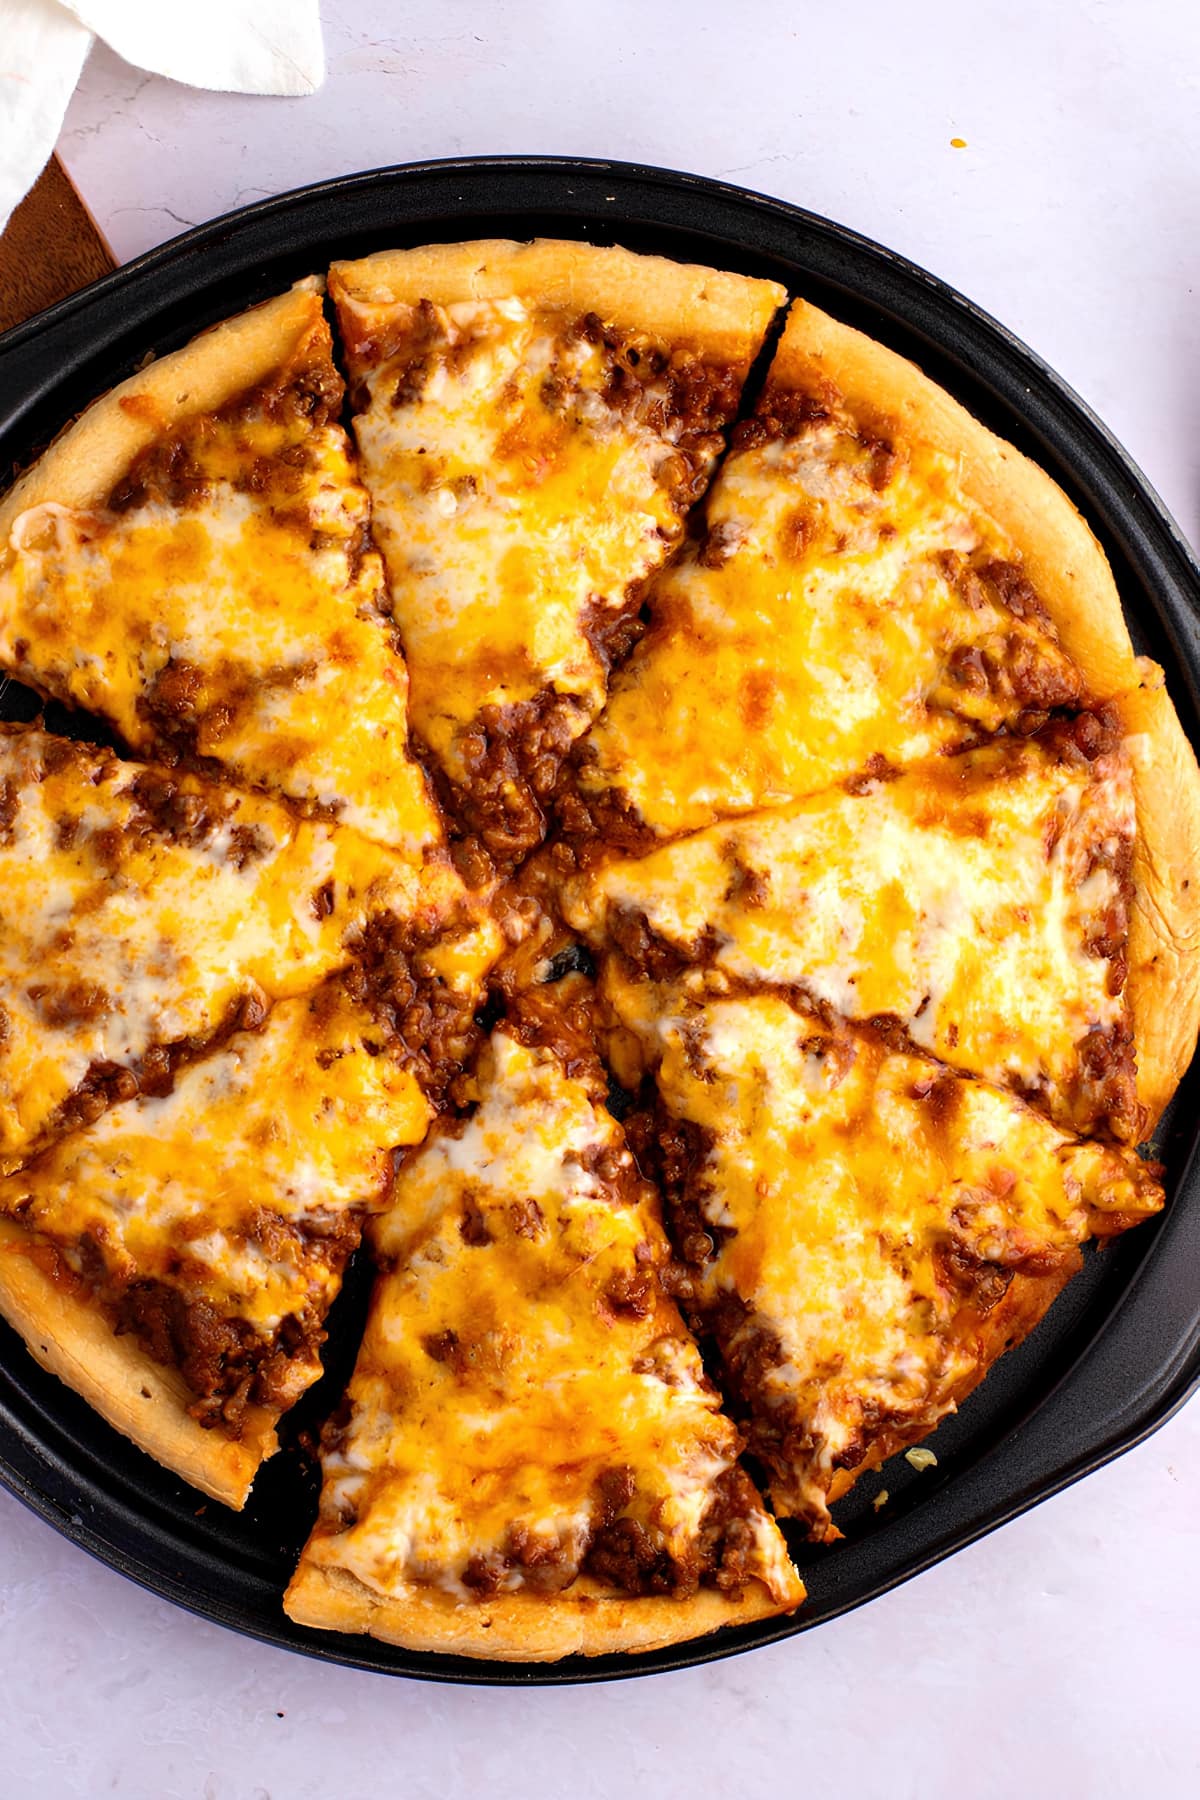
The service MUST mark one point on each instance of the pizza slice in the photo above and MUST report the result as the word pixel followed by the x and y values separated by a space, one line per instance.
pixel 862 1232
pixel 978 904
pixel 535 421
pixel 175 1261
pixel 531 1461
pixel 191 562
pixel 146 911
pixel 881 579
pixel 1023 911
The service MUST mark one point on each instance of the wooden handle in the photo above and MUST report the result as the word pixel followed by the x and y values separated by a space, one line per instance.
pixel 50 247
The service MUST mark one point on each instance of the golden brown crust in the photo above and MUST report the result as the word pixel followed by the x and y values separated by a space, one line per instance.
pixel 726 315
pixel 137 1396
pixel 1163 984
pixel 587 1620
pixel 84 464
pixel 1060 555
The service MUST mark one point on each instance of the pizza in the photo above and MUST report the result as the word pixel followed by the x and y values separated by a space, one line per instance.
pixel 535 422
pixel 638 819
pixel 148 910
pixel 979 906
pixel 204 530
pixel 209 1227
pixel 528 1416
pixel 878 580
pixel 860 1230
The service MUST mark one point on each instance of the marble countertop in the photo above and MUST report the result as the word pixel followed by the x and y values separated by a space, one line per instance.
pixel 1061 1655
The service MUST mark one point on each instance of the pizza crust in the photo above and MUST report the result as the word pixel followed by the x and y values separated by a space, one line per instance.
pixel 1163 984
pixel 726 315
pixel 587 1620
pixel 1059 553
pixel 139 1397
pixel 84 464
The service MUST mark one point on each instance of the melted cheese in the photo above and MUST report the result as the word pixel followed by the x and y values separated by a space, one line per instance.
pixel 511 502
pixel 960 899
pixel 500 1380
pixel 826 636
pixel 294 1124
pixel 258 604
pixel 839 1177
pixel 121 934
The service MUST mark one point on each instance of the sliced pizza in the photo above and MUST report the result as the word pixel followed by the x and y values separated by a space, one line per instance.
pixel 862 1232
pixel 881 579
pixel 535 421
pixel 531 1461
pixel 191 562
pixel 145 911
pixel 818 788
pixel 978 903
pixel 175 1261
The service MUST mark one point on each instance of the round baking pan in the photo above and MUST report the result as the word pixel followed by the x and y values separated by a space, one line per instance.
pixel 1118 1352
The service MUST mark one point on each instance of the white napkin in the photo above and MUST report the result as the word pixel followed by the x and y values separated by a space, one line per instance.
pixel 243 46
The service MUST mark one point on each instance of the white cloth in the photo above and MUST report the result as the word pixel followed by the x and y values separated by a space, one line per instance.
pixel 242 46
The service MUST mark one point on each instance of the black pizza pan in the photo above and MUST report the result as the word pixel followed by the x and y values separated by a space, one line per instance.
pixel 1118 1353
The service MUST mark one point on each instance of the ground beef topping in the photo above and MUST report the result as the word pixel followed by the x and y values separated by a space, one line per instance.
pixel 172 470
pixel 513 755
pixel 783 413
pixel 674 393
pixel 107 1083
pixel 225 1361
pixel 427 1025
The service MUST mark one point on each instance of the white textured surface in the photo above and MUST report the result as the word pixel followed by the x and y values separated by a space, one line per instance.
pixel 1061 1656
pixel 1057 1658
pixel 250 46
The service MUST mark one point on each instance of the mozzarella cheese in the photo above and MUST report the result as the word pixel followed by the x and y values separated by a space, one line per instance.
pixel 506 1370
pixel 841 621
pixel 513 505
pixel 239 616
pixel 840 1183
pixel 292 1126
pixel 963 899
pixel 125 929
